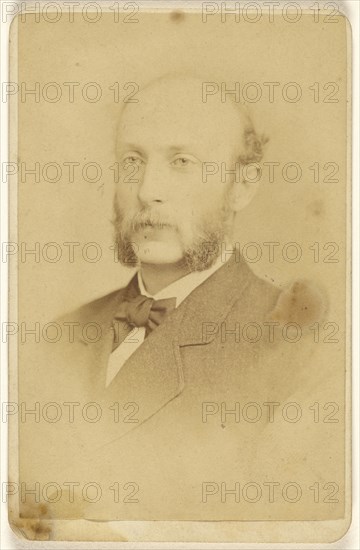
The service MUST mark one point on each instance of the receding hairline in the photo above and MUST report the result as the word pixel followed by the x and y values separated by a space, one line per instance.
pixel 188 82
pixel 252 141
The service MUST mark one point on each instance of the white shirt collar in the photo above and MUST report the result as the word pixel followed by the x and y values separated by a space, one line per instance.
pixel 181 288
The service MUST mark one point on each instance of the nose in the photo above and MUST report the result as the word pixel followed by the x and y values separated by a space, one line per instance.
pixel 151 188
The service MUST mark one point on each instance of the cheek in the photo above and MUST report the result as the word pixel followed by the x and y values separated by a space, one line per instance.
pixel 194 190
pixel 208 197
pixel 126 196
pixel 192 207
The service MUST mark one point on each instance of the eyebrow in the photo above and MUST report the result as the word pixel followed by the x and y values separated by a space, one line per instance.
pixel 178 148
pixel 129 146
pixel 172 148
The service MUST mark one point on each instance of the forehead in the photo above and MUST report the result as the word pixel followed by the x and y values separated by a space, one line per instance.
pixel 172 113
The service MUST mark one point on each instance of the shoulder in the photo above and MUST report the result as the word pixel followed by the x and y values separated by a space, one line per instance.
pixel 96 310
pixel 300 302
pixel 260 296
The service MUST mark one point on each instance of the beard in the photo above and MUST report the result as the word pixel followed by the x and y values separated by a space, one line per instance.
pixel 201 241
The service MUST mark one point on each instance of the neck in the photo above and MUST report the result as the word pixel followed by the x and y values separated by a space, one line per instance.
pixel 158 276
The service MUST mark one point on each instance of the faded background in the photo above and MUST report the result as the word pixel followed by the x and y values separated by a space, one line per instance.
pixel 305 132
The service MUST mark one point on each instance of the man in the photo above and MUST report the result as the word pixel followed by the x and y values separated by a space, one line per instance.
pixel 180 379
pixel 171 218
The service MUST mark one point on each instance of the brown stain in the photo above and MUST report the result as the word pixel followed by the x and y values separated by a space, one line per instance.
pixel 33 523
pixel 303 303
pixel 316 207
pixel 177 16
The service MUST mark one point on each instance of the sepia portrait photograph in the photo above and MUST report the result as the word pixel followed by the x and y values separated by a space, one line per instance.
pixel 179 255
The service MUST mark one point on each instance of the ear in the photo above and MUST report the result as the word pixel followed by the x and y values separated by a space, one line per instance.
pixel 245 189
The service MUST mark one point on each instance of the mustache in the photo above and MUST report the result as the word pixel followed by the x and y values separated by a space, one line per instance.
pixel 146 218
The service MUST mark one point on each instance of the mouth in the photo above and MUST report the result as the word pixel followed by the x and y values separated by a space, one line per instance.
pixel 148 226
pixel 155 231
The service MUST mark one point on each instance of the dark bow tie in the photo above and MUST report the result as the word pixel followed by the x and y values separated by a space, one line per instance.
pixel 141 311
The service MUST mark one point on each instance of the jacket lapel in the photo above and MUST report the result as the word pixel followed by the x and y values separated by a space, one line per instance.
pixel 209 304
pixel 153 375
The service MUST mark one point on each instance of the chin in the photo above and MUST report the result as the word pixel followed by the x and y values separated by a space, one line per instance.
pixel 159 253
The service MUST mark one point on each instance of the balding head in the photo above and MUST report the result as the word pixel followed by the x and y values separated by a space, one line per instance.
pixel 174 106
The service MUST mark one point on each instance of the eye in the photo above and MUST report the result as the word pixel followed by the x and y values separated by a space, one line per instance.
pixel 183 161
pixel 131 159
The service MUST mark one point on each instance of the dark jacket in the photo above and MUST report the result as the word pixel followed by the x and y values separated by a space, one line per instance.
pixel 201 406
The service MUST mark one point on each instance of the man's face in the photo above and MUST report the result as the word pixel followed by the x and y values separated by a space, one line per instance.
pixel 166 211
